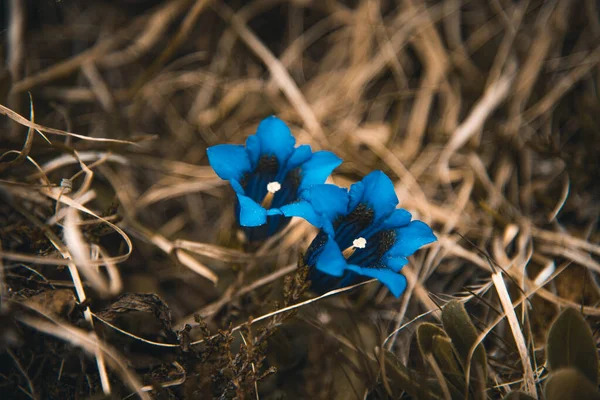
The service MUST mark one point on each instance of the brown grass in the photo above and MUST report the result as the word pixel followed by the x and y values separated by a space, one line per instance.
pixel 485 115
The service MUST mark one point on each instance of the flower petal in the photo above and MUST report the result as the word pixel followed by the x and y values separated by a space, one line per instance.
pixel 410 238
pixel 251 213
pixel 237 186
pixel 393 280
pixel 327 200
pixel 397 219
pixel 230 161
pixel 253 150
pixel 302 209
pixel 300 155
pixel 377 191
pixel 318 168
pixel 395 263
pixel 321 283
pixel 275 138
pixel 331 261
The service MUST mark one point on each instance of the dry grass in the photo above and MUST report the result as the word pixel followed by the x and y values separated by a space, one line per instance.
pixel 485 115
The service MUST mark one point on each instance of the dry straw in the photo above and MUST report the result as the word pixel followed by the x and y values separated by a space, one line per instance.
pixel 482 113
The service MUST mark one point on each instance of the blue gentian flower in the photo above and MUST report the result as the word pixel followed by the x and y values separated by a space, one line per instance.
pixel 363 235
pixel 269 173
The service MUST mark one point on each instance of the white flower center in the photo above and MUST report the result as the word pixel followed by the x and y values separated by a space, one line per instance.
pixel 273 187
pixel 359 243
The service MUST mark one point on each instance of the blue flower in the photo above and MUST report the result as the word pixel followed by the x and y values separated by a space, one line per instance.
pixel 363 234
pixel 269 173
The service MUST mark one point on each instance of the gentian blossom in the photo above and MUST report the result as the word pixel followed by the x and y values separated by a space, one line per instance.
pixel 363 235
pixel 268 173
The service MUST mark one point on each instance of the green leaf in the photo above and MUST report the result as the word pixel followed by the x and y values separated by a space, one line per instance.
pixel 571 345
pixel 461 330
pixel 437 348
pixel 517 395
pixel 570 384
pixel 425 334
pixel 410 381
pixel 444 355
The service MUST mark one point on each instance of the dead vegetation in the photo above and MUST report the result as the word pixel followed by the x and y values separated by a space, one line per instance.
pixel 121 271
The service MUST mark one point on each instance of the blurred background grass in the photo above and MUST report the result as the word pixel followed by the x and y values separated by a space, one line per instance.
pixel 485 114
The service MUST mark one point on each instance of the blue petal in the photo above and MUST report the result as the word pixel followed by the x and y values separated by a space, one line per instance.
pixel 327 200
pixel 251 213
pixel 321 282
pixel 331 261
pixel 395 263
pixel 253 150
pixel 377 191
pixel 302 209
pixel 318 168
pixel 410 238
pixel 275 138
pixel 393 280
pixel 230 161
pixel 300 155
pixel 397 219
pixel 237 186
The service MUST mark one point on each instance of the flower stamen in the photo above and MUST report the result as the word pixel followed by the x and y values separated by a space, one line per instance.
pixel 272 188
pixel 359 243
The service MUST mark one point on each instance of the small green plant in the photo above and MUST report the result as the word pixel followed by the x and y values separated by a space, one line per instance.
pixel 452 354
pixel 447 353
pixel 572 359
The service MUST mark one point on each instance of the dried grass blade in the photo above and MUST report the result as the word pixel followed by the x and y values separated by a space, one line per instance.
pixel 91 344
pixel 513 322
